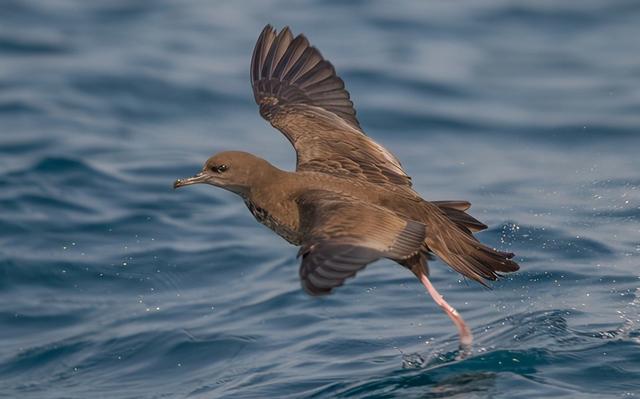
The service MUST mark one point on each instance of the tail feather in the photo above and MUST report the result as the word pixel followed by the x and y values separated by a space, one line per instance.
pixel 455 210
pixel 465 254
pixel 455 204
pixel 464 220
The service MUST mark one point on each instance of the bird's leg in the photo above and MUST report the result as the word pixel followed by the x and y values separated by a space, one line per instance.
pixel 465 334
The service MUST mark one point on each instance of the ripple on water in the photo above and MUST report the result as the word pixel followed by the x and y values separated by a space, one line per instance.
pixel 114 285
pixel 535 349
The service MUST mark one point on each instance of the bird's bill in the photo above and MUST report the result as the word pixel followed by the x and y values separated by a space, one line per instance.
pixel 199 178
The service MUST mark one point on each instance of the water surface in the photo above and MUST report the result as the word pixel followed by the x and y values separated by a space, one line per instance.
pixel 113 285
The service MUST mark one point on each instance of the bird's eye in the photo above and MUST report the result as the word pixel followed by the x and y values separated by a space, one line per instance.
pixel 222 168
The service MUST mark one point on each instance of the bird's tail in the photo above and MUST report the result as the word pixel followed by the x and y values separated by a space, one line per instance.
pixel 450 238
pixel 455 210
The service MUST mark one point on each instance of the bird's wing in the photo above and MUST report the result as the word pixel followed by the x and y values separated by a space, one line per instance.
pixel 343 235
pixel 300 94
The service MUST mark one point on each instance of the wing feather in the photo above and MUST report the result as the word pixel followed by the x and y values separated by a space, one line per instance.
pixel 300 94
pixel 343 235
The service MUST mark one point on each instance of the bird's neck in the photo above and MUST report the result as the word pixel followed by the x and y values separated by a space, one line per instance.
pixel 272 203
pixel 271 184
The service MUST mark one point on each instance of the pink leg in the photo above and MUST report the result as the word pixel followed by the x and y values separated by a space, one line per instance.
pixel 465 334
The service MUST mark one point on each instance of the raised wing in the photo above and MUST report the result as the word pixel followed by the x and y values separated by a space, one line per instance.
pixel 300 94
pixel 342 236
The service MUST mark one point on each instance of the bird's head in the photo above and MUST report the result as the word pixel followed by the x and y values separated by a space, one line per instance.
pixel 235 171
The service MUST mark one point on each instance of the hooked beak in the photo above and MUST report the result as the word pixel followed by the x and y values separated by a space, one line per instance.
pixel 198 178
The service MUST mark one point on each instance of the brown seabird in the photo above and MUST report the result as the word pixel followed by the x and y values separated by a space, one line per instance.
pixel 349 202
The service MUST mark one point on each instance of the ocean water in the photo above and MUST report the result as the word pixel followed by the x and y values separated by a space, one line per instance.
pixel 112 285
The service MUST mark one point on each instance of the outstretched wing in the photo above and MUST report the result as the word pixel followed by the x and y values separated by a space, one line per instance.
pixel 300 94
pixel 342 236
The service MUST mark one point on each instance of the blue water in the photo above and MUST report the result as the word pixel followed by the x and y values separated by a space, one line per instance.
pixel 112 285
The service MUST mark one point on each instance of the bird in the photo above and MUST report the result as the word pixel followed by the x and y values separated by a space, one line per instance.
pixel 349 201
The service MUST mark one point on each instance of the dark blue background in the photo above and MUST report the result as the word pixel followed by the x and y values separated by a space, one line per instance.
pixel 113 285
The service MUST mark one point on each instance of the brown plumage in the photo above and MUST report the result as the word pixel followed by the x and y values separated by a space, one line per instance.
pixel 349 202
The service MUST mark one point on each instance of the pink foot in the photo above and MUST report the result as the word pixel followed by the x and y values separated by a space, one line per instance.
pixel 466 338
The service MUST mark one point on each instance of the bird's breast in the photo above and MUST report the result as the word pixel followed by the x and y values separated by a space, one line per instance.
pixel 267 218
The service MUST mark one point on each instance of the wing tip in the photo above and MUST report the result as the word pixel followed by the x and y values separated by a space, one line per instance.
pixel 294 64
pixel 314 291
